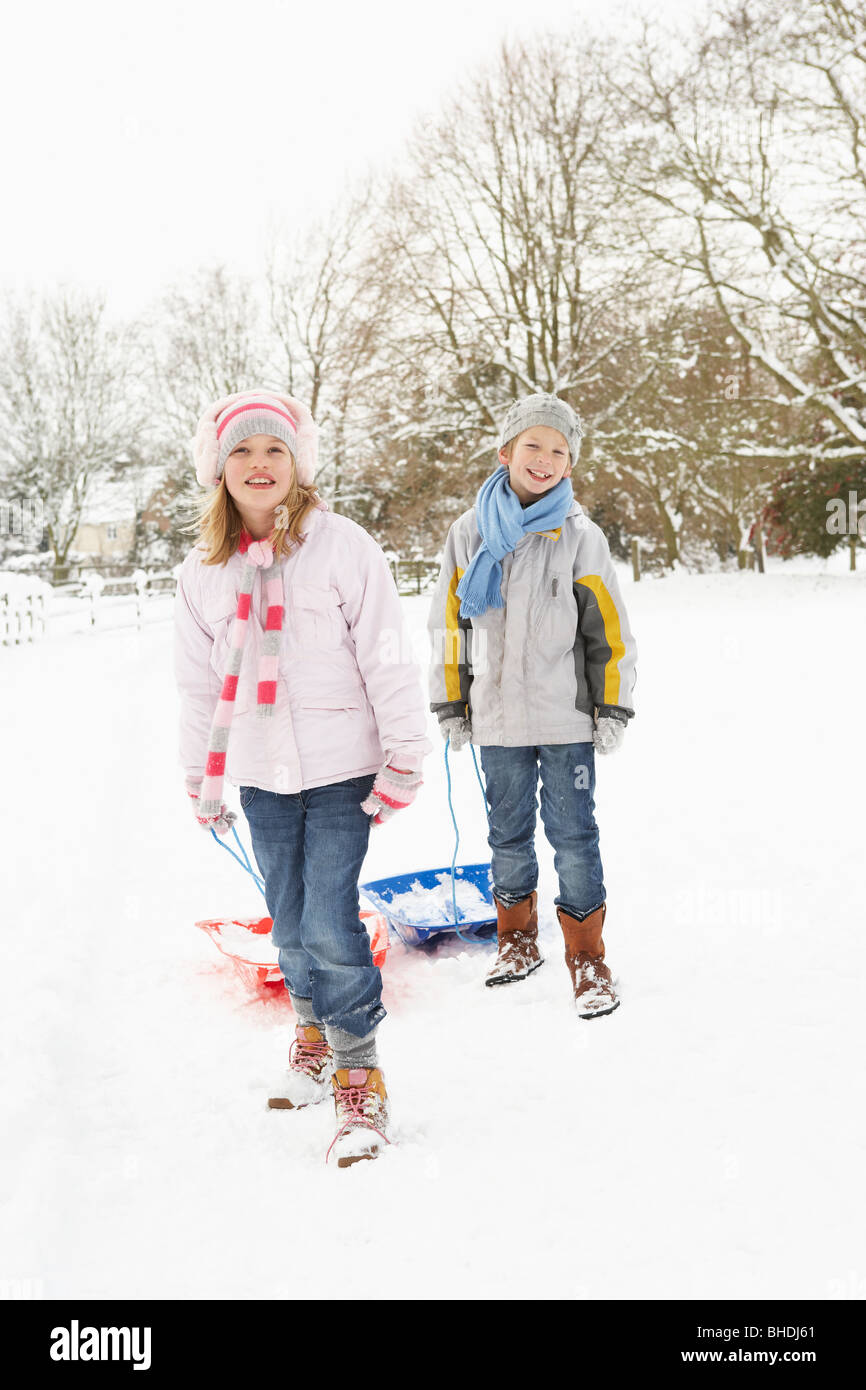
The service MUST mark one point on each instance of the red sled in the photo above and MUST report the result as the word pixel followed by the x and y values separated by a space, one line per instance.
pixel 246 942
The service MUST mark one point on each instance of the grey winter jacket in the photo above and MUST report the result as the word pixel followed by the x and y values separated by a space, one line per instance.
pixel 559 653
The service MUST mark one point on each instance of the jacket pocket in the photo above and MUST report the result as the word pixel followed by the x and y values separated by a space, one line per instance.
pixel 219 605
pixel 218 611
pixel 317 618
pixel 330 702
pixel 557 618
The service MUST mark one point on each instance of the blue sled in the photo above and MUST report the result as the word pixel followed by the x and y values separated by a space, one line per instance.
pixel 382 890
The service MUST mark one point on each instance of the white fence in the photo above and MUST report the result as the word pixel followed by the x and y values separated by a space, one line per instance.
pixel 89 604
pixel 94 603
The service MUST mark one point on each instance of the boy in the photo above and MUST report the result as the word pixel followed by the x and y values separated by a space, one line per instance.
pixel 534 661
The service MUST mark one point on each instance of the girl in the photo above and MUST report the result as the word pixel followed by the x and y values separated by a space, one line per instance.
pixel 534 660
pixel 280 611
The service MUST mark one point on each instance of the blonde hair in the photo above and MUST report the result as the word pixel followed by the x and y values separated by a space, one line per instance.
pixel 219 523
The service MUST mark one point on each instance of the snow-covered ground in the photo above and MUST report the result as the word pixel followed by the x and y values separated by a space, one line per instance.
pixel 705 1141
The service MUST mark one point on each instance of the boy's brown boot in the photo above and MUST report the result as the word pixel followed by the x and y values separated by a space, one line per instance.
pixel 594 993
pixel 517 932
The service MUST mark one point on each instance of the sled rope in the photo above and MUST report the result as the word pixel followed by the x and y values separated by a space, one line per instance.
pixel 244 863
pixel 470 941
pixel 259 882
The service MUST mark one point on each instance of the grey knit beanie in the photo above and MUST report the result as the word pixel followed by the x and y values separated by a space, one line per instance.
pixel 260 413
pixel 543 409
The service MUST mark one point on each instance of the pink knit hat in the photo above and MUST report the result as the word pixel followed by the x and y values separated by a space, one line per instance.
pixel 233 418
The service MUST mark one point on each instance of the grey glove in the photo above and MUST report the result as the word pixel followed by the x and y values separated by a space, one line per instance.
pixel 608 734
pixel 458 729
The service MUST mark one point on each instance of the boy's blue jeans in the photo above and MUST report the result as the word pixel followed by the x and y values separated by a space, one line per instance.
pixel 310 847
pixel 567 806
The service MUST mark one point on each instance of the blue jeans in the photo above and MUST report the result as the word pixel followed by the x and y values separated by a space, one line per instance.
pixel 567 786
pixel 310 846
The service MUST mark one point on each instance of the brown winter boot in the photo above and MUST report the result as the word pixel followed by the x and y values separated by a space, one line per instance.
pixel 594 993
pixel 517 931
pixel 311 1066
pixel 363 1114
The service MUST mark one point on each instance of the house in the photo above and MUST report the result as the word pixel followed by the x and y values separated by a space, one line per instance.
pixel 106 529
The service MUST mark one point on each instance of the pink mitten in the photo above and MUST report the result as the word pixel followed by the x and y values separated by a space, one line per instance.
pixel 393 789
pixel 222 823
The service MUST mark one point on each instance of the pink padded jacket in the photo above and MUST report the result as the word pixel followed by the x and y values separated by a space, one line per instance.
pixel 349 697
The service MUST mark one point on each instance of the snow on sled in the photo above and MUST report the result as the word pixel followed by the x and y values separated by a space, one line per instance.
pixel 420 905
pixel 246 941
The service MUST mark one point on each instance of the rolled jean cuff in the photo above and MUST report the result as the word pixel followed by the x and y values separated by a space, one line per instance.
pixel 580 916
pixel 359 1023
pixel 512 899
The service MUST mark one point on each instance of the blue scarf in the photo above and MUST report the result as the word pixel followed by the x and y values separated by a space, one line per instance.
pixel 502 523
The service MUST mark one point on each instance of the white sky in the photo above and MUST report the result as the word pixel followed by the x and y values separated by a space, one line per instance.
pixel 142 143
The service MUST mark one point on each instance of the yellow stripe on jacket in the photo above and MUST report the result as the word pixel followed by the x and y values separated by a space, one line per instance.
pixel 612 635
pixel 452 639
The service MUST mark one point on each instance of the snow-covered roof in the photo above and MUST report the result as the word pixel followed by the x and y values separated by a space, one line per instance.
pixel 118 499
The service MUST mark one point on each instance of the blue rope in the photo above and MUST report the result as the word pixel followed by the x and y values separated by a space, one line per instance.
pixel 244 863
pixel 468 939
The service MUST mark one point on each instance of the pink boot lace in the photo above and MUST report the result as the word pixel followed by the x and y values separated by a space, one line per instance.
pixel 309 1057
pixel 356 1107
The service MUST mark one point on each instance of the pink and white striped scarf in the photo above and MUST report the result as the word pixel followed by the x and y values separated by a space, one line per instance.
pixel 257 555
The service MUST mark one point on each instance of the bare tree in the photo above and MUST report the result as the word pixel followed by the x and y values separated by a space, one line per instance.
pixel 328 313
pixel 202 339
pixel 514 270
pixel 746 156
pixel 683 441
pixel 206 339
pixel 69 413
pixel 507 240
